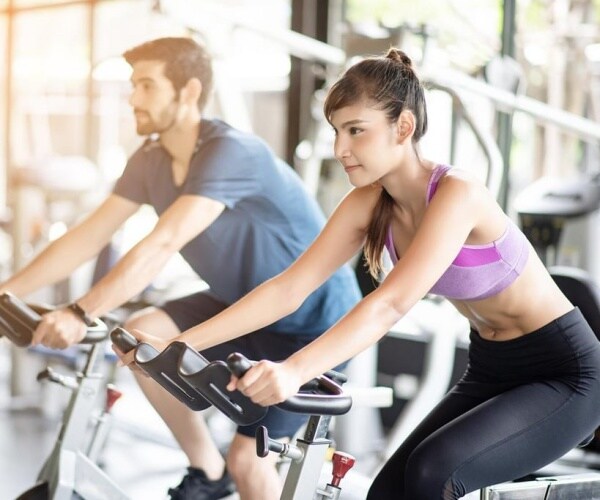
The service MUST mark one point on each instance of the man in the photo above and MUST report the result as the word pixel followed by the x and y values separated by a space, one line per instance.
pixel 238 215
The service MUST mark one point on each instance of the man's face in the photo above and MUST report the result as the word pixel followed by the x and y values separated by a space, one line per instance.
pixel 153 98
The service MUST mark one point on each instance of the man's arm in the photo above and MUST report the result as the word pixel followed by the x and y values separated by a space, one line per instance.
pixel 76 246
pixel 185 219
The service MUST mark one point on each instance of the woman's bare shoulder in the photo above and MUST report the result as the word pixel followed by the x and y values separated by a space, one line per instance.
pixel 367 194
pixel 466 184
pixel 359 203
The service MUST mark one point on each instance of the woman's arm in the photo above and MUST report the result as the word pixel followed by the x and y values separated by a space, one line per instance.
pixel 453 213
pixel 340 239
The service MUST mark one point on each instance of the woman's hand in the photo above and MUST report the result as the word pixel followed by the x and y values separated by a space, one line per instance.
pixel 267 383
pixel 127 359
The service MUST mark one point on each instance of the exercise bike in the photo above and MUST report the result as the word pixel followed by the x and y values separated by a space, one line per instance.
pixel 198 383
pixel 71 469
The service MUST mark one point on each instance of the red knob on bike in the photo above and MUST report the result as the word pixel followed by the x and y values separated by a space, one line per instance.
pixel 112 394
pixel 342 463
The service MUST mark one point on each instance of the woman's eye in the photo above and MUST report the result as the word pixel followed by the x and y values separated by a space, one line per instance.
pixel 354 130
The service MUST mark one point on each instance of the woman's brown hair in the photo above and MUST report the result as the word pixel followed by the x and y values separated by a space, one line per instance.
pixel 390 84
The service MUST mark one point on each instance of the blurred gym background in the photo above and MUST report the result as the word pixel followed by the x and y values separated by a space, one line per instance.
pixel 514 95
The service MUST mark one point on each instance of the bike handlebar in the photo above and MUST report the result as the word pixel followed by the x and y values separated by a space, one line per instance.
pixel 123 340
pixel 326 397
pixel 194 382
pixel 18 321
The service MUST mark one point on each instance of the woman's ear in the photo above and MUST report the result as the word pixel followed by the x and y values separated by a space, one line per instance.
pixel 406 125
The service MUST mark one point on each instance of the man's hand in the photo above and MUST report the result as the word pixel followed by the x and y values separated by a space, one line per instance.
pixel 267 383
pixel 59 329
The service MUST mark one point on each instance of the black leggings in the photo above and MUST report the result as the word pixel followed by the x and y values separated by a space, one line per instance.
pixel 520 405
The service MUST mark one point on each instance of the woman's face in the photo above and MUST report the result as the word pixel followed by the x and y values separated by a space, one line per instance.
pixel 366 143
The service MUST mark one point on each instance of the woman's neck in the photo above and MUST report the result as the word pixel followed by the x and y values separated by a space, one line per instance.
pixel 407 185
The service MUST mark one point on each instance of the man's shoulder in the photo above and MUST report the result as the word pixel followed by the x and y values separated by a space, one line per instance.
pixel 220 132
pixel 224 144
pixel 149 148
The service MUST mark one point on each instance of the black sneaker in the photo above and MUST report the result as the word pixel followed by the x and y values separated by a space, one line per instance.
pixel 196 486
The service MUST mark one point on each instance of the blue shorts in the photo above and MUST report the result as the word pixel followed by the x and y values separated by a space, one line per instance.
pixel 193 309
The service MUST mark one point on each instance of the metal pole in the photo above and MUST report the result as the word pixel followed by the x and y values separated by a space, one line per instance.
pixel 583 128
pixel 89 125
pixel 309 17
pixel 12 8
pixel 7 103
pixel 505 119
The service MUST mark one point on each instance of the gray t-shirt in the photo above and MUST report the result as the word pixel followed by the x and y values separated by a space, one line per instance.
pixel 269 220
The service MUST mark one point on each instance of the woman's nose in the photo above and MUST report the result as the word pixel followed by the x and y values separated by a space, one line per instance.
pixel 340 149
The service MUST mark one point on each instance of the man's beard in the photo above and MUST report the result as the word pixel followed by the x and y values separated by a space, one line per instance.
pixel 150 126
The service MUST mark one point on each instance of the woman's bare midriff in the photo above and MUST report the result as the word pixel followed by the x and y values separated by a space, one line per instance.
pixel 532 301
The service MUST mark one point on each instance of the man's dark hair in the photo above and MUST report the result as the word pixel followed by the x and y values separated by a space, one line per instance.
pixel 184 59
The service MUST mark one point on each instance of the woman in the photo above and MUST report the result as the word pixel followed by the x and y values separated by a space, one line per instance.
pixel 530 391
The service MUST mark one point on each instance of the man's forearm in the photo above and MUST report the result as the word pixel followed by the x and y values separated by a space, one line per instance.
pixel 130 276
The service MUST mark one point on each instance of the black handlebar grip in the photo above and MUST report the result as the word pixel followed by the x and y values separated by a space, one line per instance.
pixel 20 310
pixel 123 339
pixel 17 320
pixel 238 364
pixel 262 441
pixel 329 399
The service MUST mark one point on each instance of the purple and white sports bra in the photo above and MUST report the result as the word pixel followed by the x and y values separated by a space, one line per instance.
pixel 478 271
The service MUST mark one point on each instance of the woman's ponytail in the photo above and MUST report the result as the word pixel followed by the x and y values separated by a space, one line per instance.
pixel 377 233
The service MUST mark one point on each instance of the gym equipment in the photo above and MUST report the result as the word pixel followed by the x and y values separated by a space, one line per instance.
pixel 581 290
pixel 561 219
pixel 577 487
pixel 308 453
pixel 192 378
pixel 70 469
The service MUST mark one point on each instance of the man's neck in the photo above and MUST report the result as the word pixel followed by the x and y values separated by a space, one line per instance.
pixel 180 140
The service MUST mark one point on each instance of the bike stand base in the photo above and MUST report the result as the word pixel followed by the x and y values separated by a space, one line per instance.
pixel 77 475
pixel 38 492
